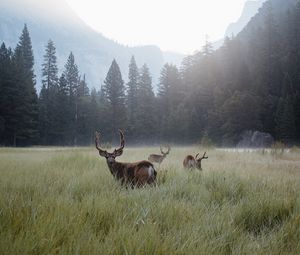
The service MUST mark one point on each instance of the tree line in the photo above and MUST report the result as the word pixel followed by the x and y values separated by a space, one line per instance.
pixel 251 83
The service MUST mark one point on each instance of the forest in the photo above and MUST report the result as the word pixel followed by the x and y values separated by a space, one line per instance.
pixel 251 83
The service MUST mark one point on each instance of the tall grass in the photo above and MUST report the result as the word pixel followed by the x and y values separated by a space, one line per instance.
pixel 65 201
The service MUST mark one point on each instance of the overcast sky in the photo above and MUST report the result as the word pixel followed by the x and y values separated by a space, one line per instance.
pixel 173 25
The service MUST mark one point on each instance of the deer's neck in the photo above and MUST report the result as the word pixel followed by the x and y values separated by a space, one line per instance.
pixel 198 165
pixel 116 169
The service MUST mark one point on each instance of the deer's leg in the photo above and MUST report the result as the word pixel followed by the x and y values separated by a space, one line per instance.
pixel 123 181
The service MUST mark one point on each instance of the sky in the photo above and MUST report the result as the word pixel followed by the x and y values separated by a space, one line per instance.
pixel 173 25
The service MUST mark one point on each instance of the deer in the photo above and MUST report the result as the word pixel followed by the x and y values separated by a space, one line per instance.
pixel 155 158
pixel 136 174
pixel 191 162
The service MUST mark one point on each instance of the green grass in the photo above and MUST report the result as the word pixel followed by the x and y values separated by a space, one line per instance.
pixel 65 201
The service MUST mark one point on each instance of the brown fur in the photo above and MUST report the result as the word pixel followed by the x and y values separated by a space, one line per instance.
pixel 190 162
pixel 155 158
pixel 135 174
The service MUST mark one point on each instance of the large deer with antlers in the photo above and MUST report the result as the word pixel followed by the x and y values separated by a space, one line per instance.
pixel 191 162
pixel 155 158
pixel 135 174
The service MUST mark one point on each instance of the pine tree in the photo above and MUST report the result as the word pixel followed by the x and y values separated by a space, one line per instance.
pixel 94 115
pixel 285 121
pixel 50 70
pixel 104 117
pixel 239 113
pixel 64 113
pixel 48 96
pixel 71 75
pixel 267 66
pixel 292 60
pixel 83 89
pixel 114 93
pixel 146 124
pixel 131 99
pixel 7 97
pixel 207 49
pixel 285 116
pixel 170 95
pixel 83 104
pixel 26 128
pixel 43 115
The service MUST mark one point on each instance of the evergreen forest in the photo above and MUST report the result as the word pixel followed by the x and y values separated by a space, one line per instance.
pixel 251 83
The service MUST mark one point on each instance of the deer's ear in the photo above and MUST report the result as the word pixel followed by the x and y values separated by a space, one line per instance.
pixel 102 153
pixel 118 153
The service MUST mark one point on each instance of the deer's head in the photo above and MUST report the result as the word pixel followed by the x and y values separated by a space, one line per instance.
pixel 165 153
pixel 198 160
pixel 110 157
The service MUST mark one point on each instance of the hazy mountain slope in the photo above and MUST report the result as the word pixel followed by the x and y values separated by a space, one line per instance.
pixel 56 20
pixel 279 9
pixel 250 9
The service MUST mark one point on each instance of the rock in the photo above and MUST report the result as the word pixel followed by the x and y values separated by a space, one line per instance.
pixel 255 139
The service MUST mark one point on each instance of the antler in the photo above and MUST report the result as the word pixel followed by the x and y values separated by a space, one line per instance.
pixel 162 152
pixel 119 151
pixel 203 157
pixel 97 142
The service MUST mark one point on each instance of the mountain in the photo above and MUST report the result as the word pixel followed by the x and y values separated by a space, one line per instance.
pixel 54 19
pixel 250 9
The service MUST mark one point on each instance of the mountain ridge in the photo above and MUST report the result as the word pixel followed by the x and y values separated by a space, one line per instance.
pixel 250 9
pixel 93 52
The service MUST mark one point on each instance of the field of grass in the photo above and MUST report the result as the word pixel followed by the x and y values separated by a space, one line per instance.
pixel 65 201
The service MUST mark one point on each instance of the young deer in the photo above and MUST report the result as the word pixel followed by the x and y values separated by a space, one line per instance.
pixel 136 174
pixel 154 158
pixel 191 162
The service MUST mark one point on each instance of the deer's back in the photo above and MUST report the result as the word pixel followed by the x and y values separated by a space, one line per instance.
pixel 189 162
pixel 141 173
pixel 155 158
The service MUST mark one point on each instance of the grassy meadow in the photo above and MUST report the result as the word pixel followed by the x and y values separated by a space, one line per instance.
pixel 65 201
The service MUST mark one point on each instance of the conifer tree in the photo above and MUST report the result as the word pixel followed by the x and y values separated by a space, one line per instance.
pixel 285 115
pixel 50 70
pixel 146 124
pixel 83 89
pixel 71 75
pixel 26 128
pixel 94 115
pixel 7 97
pixel 131 99
pixel 114 93
pixel 285 120
pixel 207 49
pixel 48 96
pixel 64 112
pixel 83 108
pixel 170 95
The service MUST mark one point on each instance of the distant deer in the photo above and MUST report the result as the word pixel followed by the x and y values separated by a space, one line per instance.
pixel 136 174
pixel 191 162
pixel 155 158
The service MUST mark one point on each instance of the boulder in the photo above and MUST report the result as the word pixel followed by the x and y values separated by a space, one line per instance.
pixel 255 139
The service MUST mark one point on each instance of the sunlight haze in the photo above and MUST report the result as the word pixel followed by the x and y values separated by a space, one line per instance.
pixel 179 26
